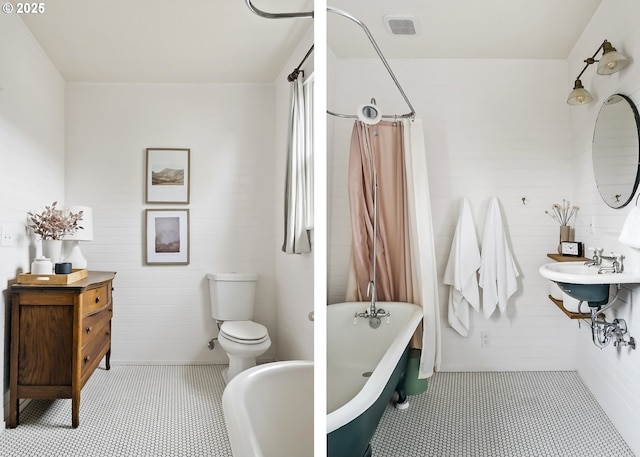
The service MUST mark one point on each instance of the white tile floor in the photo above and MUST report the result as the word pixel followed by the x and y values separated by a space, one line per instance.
pixel 176 411
pixel 505 414
pixel 158 411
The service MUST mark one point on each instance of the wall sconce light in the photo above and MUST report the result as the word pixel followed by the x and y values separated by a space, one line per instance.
pixel 611 62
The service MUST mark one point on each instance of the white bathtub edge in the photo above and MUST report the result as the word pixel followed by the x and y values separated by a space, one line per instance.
pixel 373 389
pixel 243 439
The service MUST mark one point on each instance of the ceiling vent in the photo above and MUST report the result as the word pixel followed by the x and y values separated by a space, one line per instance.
pixel 402 25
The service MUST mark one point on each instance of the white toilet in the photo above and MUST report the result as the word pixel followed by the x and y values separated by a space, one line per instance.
pixel 232 298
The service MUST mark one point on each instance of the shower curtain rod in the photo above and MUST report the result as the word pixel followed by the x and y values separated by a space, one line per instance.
pixel 277 15
pixel 309 14
pixel 294 74
pixel 411 114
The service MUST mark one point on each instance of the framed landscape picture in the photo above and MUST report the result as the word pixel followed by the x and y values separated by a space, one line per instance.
pixel 167 237
pixel 168 175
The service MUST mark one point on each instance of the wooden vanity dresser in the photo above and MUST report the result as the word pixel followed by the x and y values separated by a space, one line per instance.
pixel 59 335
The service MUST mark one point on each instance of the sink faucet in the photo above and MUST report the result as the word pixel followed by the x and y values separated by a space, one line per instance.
pixel 617 264
pixel 597 257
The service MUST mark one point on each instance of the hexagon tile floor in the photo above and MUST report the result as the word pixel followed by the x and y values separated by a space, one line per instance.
pixel 176 411
pixel 500 414
pixel 154 411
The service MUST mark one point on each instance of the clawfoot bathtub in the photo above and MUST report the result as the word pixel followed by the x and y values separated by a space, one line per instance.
pixel 364 368
pixel 268 410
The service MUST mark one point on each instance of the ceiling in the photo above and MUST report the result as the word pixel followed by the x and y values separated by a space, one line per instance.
pixel 200 41
pixel 158 41
pixel 465 29
pixel 496 29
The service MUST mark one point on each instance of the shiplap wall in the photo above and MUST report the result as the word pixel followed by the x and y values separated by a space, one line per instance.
pixel 31 152
pixel 162 313
pixel 612 374
pixel 492 128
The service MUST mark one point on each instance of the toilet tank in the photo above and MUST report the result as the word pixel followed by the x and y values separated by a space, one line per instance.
pixel 232 295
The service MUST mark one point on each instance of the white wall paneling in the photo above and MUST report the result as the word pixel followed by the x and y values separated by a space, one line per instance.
pixel 162 313
pixel 485 136
pixel 31 152
pixel 611 374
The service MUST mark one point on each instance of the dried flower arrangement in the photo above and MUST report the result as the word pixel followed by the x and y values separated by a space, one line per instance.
pixel 562 214
pixel 54 223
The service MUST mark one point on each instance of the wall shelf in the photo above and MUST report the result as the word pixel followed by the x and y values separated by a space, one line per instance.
pixel 570 314
pixel 567 258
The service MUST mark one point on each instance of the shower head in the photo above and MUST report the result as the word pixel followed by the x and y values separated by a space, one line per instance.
pixel 369 113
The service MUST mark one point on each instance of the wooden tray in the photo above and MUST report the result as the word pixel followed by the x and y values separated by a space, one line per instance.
pixel 75 275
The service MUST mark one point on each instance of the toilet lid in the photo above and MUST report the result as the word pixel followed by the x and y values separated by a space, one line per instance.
pixel 247 332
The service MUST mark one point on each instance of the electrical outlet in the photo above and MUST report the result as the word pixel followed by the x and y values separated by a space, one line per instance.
pixel 485 339
pixel 5 238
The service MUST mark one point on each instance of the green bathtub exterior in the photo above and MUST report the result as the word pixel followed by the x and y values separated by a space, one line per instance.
pixel 352 439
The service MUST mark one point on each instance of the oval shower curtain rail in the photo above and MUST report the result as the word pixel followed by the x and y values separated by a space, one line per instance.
pixel 411 114
pixel 268 15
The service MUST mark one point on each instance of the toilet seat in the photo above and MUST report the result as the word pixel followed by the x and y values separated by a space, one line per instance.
pixel 244 332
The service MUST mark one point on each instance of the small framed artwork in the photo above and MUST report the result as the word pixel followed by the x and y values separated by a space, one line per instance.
pixel 168 175
pixel 167 237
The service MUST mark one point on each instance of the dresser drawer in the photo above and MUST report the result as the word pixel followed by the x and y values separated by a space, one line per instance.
pixel 95 348
pixel 94 299
pixel 93 323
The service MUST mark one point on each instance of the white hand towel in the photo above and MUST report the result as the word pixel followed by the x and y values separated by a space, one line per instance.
pixel 630 234
pixel 498 271
pixel 461 271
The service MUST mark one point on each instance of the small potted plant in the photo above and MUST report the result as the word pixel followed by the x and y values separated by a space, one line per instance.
pixel 51 225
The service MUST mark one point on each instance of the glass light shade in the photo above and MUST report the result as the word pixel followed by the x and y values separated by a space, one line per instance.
pixel 579 95
pixel 85 234
pixel 611 62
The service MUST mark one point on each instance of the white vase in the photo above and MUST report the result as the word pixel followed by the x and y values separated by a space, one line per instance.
pixel 52 249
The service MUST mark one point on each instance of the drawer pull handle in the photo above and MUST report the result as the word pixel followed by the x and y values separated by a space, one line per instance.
pixel 97 299
pixel 86 358
pixel 88 329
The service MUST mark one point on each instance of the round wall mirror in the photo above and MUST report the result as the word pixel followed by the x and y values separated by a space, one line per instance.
pixel 616 150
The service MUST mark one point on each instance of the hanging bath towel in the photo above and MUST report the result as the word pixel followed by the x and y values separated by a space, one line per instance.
pixel 630 234
pixel 461 272
pixel 498 270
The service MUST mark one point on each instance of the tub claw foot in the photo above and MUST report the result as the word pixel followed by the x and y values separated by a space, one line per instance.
pixel 400 400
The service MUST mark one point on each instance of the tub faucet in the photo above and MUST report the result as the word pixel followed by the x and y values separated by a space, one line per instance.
pixel 373 313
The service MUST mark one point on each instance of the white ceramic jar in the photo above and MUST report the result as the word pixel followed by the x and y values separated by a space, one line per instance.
pixel 41 266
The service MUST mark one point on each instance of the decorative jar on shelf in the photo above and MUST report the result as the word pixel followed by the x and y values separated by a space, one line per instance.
pixel 565 235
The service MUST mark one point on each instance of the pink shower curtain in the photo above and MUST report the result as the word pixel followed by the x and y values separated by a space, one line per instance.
pixel 378 150
pixel 405 252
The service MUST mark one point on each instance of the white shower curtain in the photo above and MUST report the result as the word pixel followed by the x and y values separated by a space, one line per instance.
pixel 423 258
pixel 298 210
